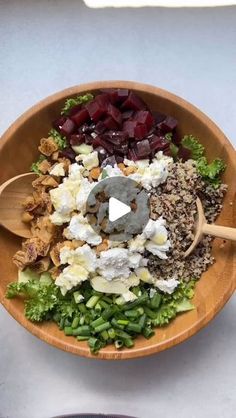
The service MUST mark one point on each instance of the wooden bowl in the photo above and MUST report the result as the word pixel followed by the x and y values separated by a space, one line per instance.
pixel 18 149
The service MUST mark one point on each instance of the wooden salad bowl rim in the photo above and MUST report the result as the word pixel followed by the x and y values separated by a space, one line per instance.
pixel 216 285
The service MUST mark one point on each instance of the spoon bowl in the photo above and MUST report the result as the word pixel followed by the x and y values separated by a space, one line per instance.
pixel 12 194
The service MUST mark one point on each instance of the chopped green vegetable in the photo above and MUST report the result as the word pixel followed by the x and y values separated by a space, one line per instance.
pixel 104 174
pixel 76 101
pixel 169 136
pixel 59 139
pixel 211 172
pixel 192 144
pixel 35 166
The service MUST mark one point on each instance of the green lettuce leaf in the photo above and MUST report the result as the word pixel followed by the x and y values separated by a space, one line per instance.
pixel 193 145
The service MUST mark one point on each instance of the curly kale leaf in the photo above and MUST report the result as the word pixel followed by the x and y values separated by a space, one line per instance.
pixel 70 103
pixel 58 138
pixel 193 145
pixel 211 172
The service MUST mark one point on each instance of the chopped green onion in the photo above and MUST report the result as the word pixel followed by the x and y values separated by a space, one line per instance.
pixel 104 304
pixel 82 337
pixel 141 300
pixel 122 321
pixel 122 334
pixel 118 344
pixel 128 342
pixel 155 301
pixel 105 336
pixel 107 299
pixel 102 327
pixel 150 313
pixel 142 320
pixel 78 297
pixel 82 308
pixel 132 313
pixel 83 330
pixel 92 301
pixel 115 324
pixel 148 332
pixel 97 322
pixel 132 326
pixel 108 312
pixel 68 331
pixel 75 322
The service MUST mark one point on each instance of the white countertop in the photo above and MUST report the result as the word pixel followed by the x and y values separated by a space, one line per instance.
pixel 47 46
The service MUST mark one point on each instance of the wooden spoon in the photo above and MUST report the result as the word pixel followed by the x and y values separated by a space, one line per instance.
pixel 203 228
pixel 12 194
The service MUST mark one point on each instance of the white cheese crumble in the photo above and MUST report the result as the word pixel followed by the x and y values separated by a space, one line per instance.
pixel 167 286
pixel 117 262
pixel 89 161
pixel 58 170
pixel 70 277
pixel 84 256
pixel 80 229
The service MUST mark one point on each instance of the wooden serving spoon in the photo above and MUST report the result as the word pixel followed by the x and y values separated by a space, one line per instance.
pixel 12 194
pixel 203 228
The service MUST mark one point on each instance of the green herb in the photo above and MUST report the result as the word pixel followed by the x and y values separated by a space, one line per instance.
pixel 35 166
pixel 193 145
pixel 59 139
pixel 169 136
pixel 211 172
pixel 70 103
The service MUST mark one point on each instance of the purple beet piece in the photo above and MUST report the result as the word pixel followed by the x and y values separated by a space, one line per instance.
pixel 99 141
pixel 144 117
pixel 119 95
pixel 74 110
pixel 103 101
pixel 140 131
pixel 158 117
pixel 116 137
pixel 80 117
pixel 57 124
pixel 169 124
pixel 102 154
pixel 132 154
pixel 100 127
pixel 109 161
pixel 110 123
pixel 122 149
pixel 128 126
pixel 176 139
pixel 95 110
pixel 119 159
pixel 114 113
pixel 142 148
pixel 68 127
pixel 86 129
pixel 158 143
pixel 184 153
pixel 133 102
pixel 77 139
pixel 127 114
pixel 68 153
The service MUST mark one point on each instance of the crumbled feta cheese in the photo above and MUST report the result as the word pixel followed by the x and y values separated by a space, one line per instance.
pixel 58 219
pixel 62 200
pixel 70 277
pixel 117 262
pixel 89 161
pixel 58 170
pixel 137 244
pixel 159 250
pixel 157 236
pixel 80 229
pixel 113 171
pixel 167 286
pixel 83 256
pixel 83 193
pixel 144 274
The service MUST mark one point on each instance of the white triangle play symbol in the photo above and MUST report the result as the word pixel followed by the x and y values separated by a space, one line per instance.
pixel 117 209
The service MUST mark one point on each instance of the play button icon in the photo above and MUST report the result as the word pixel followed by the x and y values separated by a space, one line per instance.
pixel 117 209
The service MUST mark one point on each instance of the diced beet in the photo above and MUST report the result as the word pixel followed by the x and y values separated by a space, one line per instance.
pixel 184 153
pixel 169 124
pixel 95 110
pixel 132 154
pixel 128 126
pixel 167 151
pixel 116 137
pixel 114 113
pixel 74 110
pixel 80 117
pixel 119 159
pixel 77 139
pixel 99 141
pixel 140 131
pixel 86 129
pixel 158 143
pixel 102 154
pixel 57 124
pixel 109 161
pixel 176 139
pixel 110 123
pixel 133 102
pixel 127 115
pixel 103 101
pixel 119 95
pixel 144 117
pixel 68 127
pixel 142 148
pixel 122 149
pixel 100 127
pixel 158 117
pixel 68 153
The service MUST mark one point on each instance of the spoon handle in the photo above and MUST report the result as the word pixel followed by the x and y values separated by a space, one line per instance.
pixel 219 231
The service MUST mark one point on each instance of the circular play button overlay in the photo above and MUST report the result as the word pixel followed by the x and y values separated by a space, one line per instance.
pixel 118 207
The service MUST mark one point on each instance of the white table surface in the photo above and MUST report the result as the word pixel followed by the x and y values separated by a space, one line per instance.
pixel 46 46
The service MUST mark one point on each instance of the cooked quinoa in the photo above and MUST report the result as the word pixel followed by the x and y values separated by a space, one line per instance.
pixel 175 200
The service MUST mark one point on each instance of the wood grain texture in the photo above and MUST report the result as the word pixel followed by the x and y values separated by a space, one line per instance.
pixel 216 285
pixel 12 194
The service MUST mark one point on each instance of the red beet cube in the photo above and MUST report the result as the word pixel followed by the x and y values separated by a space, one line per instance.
pixel 144 117
pixel 80 117
pixel 100 141
pixel 127 115
pixel 100 127
pixel 95 110
pixel 132 154
pixel 133 102
pixel 128 126
pixel 142 149
pixel 57 124
pixel 77 139
pixel 169 124
pixel 114 113
pixel 109 123
pixel 140 131
pixel 68 127
pixel 119 95
pixel 158 143
pixel 103 101
pixel 74 110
